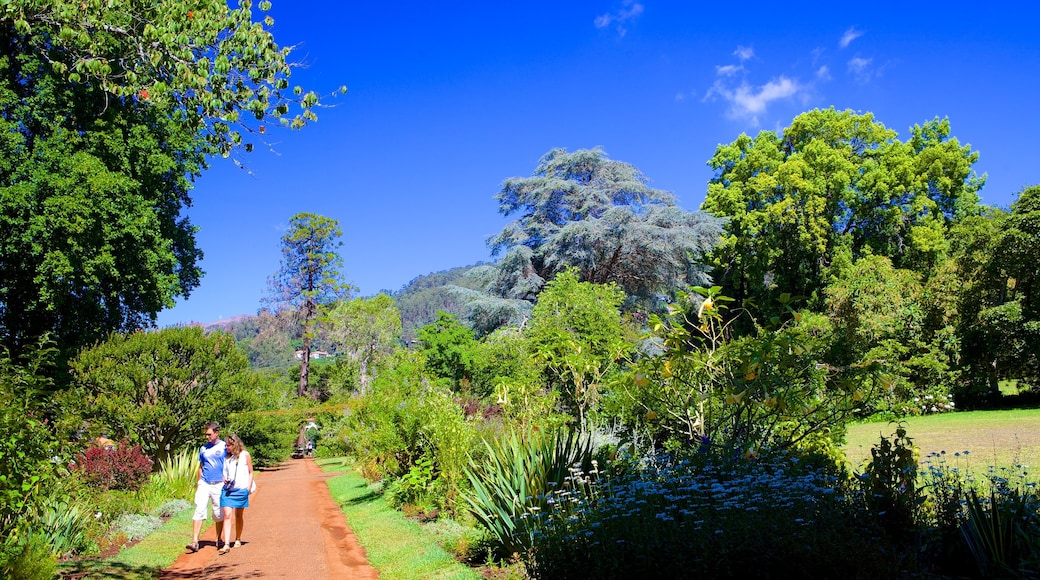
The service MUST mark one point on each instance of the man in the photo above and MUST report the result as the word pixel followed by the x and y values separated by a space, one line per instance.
pixel 211 480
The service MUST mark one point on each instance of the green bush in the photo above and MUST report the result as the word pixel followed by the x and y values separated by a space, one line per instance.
pixel 65 526
pixel 27 557
pixel 268 435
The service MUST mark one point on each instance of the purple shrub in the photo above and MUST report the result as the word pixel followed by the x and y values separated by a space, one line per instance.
pixel 123 467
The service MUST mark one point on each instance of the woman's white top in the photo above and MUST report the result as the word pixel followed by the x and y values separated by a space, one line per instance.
pixel 237 468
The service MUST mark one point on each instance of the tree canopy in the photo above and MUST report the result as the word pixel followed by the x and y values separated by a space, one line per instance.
pixel 587 211
pixel 218 67
pixel 833 187
pixel 91 190
pixel 108 110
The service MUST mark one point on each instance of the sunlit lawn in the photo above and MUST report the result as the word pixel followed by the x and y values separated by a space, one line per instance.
pixel 992 438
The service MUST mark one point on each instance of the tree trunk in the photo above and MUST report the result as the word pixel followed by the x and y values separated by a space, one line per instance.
pixel 303 389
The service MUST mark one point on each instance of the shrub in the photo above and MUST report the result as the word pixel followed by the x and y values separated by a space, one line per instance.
pixel 673 518
pixel 177 477
pixel 26 557
pixel 268 435
pixel 136 526
pixel 65 526
pixel 521 468
pixel 171 508
pixel 125 467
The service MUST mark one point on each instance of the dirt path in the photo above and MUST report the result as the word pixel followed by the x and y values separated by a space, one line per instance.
pixel 293 529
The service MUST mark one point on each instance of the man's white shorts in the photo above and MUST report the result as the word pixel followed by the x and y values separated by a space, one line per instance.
pixel 210 491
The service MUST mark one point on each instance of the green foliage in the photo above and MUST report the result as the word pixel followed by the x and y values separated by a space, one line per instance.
pixel 27 558
pixel 268 435
pixel 65 525
pixel 577 337
pixel 217 67
pixel 366 329
pixel 91 190
pixel 586 211
pixel 836 186
pixel 520 469
pixel 309 278
pixel 177 477
pixel 706 518
pixel 159 388
pixel 753 395
pixel 448 346
pixel 890 484
pixel 422 298
pixel 382 429
pixel 27 444
pixel 1002 530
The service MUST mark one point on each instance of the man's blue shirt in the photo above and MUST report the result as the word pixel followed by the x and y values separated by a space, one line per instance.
pixel 211 457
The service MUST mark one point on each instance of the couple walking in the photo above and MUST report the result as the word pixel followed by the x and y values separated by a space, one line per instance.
pixel 225 481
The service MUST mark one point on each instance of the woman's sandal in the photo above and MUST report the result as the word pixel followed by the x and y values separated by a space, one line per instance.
pixel 194 546
pixel 224 550
pixel 237 544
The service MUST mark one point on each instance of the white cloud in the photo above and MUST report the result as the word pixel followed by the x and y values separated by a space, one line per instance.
pixel 850 35
pixel 629 9
pixel 728 70
pixel 861 69
pixel 823 73
pixel 747 102
pixel 744 52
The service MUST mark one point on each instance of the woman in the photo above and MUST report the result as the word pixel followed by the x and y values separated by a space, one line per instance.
pixel 238 482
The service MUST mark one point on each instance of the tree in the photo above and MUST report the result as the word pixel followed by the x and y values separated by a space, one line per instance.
pixel 107 111
pixel 91 191
pixel 367 328
pixel 577 336
pixel 448 348
pixel 158 389
pixel 835 187
pixel 215 66
pixel 1000 306
pixel 309 278
pixel 584 210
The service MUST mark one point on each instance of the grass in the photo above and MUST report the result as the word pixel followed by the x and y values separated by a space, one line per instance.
pixel 992 438
pixel 396 546
pixel 142 561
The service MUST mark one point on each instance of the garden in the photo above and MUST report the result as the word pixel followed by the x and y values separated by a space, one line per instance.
pixel 801 378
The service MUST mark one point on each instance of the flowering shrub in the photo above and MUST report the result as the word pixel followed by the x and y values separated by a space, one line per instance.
pixel 125 467
pixel 678 519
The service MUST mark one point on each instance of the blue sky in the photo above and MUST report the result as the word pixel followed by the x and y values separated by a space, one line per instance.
pixel 445 102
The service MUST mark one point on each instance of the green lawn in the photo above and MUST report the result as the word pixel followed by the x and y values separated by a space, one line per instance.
pixel 992 438
pixel 396 546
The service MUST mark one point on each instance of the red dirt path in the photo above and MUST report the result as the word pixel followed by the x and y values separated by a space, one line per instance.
pixel 293 529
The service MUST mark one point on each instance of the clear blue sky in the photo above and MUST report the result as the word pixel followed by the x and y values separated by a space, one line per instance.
pixel 447 101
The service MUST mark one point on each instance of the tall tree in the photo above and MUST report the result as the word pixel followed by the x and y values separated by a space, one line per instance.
pixel 368 329
pixel 834 187
pixel 586 211
pixel 309 278
pixel 107 110
pixel 91 190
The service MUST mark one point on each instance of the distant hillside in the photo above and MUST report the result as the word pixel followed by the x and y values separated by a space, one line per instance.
pixel 421 299
pixel 272 343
